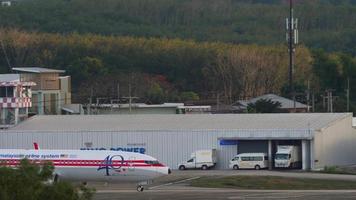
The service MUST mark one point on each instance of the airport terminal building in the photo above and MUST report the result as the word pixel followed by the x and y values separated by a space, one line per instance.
pixel 325 139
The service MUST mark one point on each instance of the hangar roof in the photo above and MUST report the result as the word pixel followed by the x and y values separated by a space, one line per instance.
pixel 281 121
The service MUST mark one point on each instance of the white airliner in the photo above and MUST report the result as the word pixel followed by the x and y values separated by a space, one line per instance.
pixel 81 165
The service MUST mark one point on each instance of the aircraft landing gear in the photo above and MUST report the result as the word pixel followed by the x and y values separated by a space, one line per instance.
pixel 56 178
pixel 139 188
pixel 140 185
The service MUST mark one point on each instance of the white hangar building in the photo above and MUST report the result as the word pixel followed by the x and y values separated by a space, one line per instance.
pixel 326 139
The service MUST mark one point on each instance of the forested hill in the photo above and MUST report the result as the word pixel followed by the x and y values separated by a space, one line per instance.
pixel 327 24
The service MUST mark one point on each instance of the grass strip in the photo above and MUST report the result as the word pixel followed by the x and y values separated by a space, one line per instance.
pixel 272 183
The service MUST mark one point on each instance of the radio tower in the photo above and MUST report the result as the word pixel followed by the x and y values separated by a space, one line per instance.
pixel 292 39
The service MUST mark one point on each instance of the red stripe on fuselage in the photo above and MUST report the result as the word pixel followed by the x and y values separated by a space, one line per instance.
pixel 85 163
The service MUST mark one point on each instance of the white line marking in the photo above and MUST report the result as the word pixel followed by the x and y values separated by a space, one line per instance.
pixel 172 183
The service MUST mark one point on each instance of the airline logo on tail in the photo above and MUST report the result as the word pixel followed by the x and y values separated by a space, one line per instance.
pixel 36 146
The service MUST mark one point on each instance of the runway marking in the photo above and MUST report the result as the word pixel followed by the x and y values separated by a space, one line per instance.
pixel 280 195
pixel 114 191
pixel 269 196
pixel 176 182
pixel 224 190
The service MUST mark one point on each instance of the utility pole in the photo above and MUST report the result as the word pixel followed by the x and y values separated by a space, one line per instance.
pixel 331 101
pixel 308 96
pixel 292 39
pixel 324 99
pixel 90 100
pixel 217 101
pixel 130 97
pixel 118 91
pixel 313 102
pixel 348 94
pixel 327 98
pixel 98 99
pixel 330 98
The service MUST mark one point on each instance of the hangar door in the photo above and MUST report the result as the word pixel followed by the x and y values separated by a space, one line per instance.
pixel 252 146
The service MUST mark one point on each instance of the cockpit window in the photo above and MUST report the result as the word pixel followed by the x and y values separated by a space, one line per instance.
pixel 151 162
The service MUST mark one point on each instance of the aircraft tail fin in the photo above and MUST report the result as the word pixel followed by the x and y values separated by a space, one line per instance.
pixel 35 145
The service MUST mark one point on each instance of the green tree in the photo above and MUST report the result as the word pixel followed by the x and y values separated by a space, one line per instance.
pixel 328 70
pixel 155 94
pixel 189 96
pixel 30 181
pixel 349 73
pixel 327 24
pixel 264 106
pixel 87 68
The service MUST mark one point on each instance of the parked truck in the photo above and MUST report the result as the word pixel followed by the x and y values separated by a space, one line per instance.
pixel 287 156
pixel 201 159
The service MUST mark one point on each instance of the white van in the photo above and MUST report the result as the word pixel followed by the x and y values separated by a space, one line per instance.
pixel 249 161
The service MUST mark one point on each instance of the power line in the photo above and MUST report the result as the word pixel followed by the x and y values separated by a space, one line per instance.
pixel 6 57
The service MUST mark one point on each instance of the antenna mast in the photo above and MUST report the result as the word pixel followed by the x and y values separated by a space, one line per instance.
pixel 292 39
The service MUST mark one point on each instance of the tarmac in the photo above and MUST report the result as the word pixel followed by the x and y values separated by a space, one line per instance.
pixel 202 194
pixel 176 186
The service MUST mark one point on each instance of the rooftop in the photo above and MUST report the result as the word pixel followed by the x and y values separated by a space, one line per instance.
pixel 73 108
pixel 143 105
pixel 285 103
pixel 139 105
pixel 9 77
pixel 37 70
pixel 173 122
pixel 13 80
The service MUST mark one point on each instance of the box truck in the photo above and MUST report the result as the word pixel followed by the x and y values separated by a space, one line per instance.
pixel 288 156
pixel 201 159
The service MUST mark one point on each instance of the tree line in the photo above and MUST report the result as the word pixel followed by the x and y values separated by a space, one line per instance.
pixel 327 24
pixel 100 63
pixel 159 70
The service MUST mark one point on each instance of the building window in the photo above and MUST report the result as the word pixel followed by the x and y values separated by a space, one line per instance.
pixel 2 91
pixel 22 111
pixel 8 116
pixel 10 91
pixel 6 91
